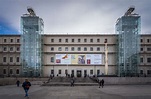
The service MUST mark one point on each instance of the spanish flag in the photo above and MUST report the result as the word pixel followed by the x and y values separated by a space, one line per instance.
pixel 64 57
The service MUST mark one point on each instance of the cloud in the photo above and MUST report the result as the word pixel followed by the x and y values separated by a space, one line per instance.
pixel 75 15
pixel 5 28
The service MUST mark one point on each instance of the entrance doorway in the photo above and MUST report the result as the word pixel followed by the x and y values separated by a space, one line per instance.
pixel 85 73
pixel 72 73
pixel 79 73
pixel 30 73
pixel 98 72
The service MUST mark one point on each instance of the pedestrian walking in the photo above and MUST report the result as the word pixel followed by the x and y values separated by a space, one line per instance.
pixel 102 82
pixel 26 85
pixel 17 83
pixel 72 82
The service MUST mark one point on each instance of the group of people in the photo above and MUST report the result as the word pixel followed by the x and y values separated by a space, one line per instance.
pixel 101 82
pixel 26 85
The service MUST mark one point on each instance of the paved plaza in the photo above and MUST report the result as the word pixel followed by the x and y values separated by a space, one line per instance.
pixel 78 92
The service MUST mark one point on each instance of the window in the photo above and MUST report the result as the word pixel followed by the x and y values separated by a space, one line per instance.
pixel 11 48
pixel 52 71
pixel 85 40
pixel 91 48
pixel 79 40
pixel 4 59
pixel 72 48
pixel 17 71
pixel 11 71
pixel 141 40
pixel 59 49
pixel 72 40
pixel 11 59
pixel 98 40
pixel 105 41
pixel 141 71
pixel 11 40
pixel 148 49
pixel 79 48
pixel 66 40
pixel 91 72
pixel 4 48
pixel 141 59
pixel 17 59
pixel 91 40
pixel 147 40
pixel 52 40
pixel 85 49
pixel 4 71
pixel 59 72
pixel 59 40
pixel 98 48
pixel 18 49
pixel 18 40
pixel 149 60
pixel 66 48
pixel 141 49
pixel 52 59
pixel 52 49
pixel 148 71
pixel 5 40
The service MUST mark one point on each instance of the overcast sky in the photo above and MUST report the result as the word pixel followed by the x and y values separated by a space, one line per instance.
pixel 73 16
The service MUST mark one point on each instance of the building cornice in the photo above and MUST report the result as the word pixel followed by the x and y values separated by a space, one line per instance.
pixel 78 52
pixel 76 44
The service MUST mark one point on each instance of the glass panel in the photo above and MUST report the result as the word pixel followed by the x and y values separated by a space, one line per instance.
pixel 31 45
pixel 128 46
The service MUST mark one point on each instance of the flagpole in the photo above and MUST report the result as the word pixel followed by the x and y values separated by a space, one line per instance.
pixel 67 63
pixel 67 66
pixel 64 57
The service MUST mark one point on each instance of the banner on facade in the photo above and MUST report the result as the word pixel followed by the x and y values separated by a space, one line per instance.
pixel 78 59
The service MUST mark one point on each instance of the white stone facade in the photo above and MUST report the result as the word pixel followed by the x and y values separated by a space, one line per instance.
pixel 70 44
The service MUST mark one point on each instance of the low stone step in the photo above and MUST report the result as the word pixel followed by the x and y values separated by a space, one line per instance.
pixel 66 79
pixel 68 84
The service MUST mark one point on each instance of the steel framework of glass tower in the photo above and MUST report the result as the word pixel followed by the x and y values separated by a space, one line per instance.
pixel 31 45
pixel 128 30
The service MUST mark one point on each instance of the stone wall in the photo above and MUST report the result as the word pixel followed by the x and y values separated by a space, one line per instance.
pixel 12 81
pixel 126 80
pixel 108 80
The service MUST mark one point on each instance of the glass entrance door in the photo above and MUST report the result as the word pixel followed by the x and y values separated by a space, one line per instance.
pixel 85 73
pixel 98 72
pixel 79 73
pixel 72 73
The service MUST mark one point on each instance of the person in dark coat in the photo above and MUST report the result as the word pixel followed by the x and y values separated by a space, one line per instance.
pixel 17 83
pixel 102 81
pixel 26 85
pixel 72 82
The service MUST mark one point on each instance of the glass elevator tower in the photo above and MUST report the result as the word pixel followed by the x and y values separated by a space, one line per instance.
pixel 31 45
pixel 128 30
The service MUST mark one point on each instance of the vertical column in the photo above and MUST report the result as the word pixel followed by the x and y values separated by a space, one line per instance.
pixel 106 57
